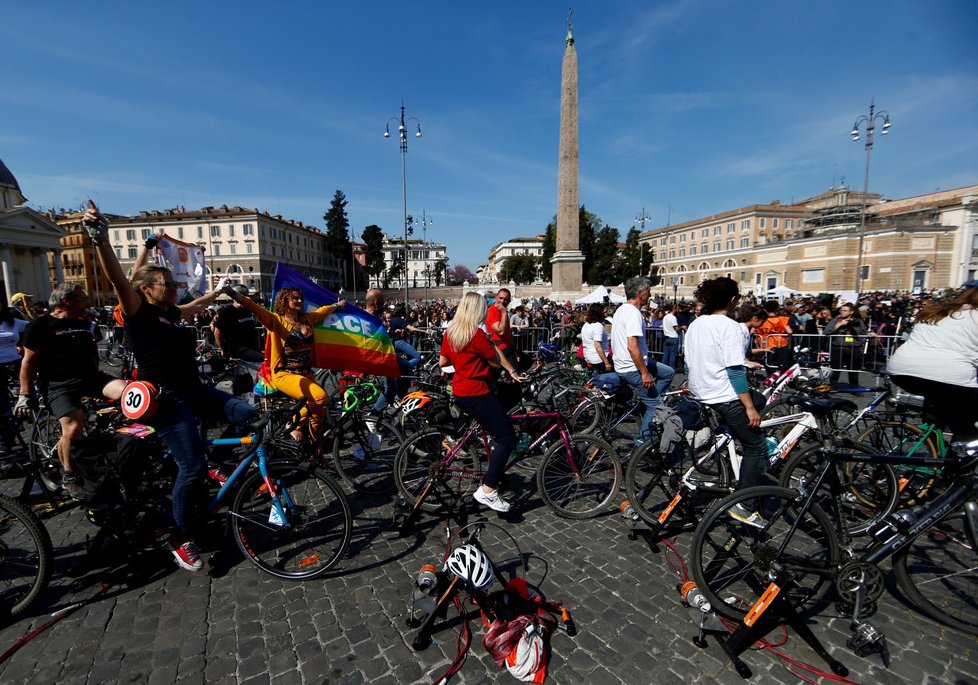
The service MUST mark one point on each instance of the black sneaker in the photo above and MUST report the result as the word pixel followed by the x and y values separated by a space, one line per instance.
pixel 73 486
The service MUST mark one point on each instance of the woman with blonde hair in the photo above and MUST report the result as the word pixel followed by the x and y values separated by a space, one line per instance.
pixel 467 347
pixel 940 361
pixel 290 344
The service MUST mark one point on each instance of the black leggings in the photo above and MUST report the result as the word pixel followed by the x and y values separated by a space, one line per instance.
pixel 954 406
pixel 489 412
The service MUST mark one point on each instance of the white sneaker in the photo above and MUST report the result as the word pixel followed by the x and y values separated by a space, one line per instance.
pixel 751 518
pixel 493 500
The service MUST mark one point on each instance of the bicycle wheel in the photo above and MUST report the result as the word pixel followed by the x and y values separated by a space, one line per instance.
pixel 732 562
pixel 938 571
pixel 419 471
pixel 317 526
pixel 26 557
pixel 869 490
pixel 45 434
pixel 586 416
pixel 111 355
pixel 580 483
pixel 894 437
pixel 363 455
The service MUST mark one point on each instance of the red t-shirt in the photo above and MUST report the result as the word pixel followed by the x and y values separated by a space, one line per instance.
pixel 494 316
pixel 471 364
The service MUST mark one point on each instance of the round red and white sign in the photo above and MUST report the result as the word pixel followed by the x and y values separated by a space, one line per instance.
pixel 139 400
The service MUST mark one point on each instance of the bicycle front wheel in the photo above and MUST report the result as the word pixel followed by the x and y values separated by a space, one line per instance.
pixel 732 561
pixel 420 471
pixel 315 532
pixel 938 571
pixel 26 557
pixel 905 439
pixel 363 455
pixel 43 450
pixel 581 482
pixel 586 416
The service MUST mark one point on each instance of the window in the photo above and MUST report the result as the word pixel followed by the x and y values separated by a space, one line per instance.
pixel 672 240
pixel 672 254
pixel 745 241
pixel 261 227
pixel 234 248
pixel 652 244
pixel 217 249
pixel 706 232
pixel 789 223
pixel 731 227
pixel 682 252
pixel 704 249
pixel 248 229
pixel 118 253
pixel 730 244
pixel 131 234
pixel 757 279
pixel 812 275
pixel 763 223
pixel 145 233
pixel 215 231
pixel 692 236
pixel 745 225
pixel 249 248
pixel 692 250
pixel 180 232
pixel 774 223
pixel 682 238
pixel 117 239
pixel 132 253
pixel 717 230
pixel 200 232
pixel 716 245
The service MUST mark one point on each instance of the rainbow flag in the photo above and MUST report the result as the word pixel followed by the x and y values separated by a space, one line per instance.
pixel 347 340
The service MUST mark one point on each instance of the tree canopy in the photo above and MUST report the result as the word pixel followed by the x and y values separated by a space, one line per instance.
pixel 373 250
pixel 521 269
pixel 337 238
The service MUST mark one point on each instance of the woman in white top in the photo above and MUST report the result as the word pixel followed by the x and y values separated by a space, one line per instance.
pixel 940 361
pixel 594 339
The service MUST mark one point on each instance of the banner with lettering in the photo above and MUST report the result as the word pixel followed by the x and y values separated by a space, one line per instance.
pixel 347 340
pixel 186 261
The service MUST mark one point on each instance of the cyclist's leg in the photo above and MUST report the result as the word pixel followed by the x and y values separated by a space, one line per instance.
pixel 647 396
pixel 487 410
pixel 176 424
pixel 754 463
pixel 407 349
pixel 297 387
pixel 663 376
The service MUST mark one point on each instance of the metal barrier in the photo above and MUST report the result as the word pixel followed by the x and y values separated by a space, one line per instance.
pixel 843 352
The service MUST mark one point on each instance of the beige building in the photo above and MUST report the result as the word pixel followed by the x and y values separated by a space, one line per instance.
pixel 427 264
pixel 923 242
pixel 240 243
pixel 488 273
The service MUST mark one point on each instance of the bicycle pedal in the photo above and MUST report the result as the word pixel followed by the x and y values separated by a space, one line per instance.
pixel 868 640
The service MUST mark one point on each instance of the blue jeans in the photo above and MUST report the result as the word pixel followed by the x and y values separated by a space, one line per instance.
pixel 650 397
pixel 670 352
pixel 753 466
pixel 176 423
pixel 406 349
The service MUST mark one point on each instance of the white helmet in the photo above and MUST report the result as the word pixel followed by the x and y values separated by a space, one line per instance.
pixel 471 564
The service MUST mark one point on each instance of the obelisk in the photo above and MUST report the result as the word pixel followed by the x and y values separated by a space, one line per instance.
pixel 568 260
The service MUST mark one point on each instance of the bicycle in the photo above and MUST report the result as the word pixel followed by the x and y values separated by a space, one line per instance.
pixel 801 549
pixel 577 478
pixel 26 558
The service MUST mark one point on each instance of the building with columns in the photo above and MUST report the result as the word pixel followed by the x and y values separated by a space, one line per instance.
pixel 923 242
pixel 488 273
pixel 26 238
pixel 427 263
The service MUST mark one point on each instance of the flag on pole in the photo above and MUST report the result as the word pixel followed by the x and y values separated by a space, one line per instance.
pixel 347 340
pixel 186 261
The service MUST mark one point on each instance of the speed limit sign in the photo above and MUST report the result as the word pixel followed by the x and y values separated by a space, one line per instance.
pixel 139 400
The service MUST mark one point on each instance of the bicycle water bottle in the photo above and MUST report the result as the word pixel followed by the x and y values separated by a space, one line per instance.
pixel 628 511
pixel 522 445
pixel 772 379
pixel 772 445
pixel 427 579
pixel 693 597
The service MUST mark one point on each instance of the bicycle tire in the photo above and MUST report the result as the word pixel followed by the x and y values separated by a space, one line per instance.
pixel 418 470
pixel 587 416
pixel 579 498
pixel 363 455
pixel 43 452
pixel 938 572
pixel 870 490
pixel 732 583
pixel 112 356
pixel 27 559
pixel 651 481
pixel 320 522
pixel 900 438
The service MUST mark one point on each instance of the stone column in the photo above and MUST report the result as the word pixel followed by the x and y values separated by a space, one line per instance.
pixel 59 271
pixel 568 260
pixel 44 275
pixel 8 272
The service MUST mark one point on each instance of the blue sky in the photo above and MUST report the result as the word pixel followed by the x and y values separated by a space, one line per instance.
pixel 688 107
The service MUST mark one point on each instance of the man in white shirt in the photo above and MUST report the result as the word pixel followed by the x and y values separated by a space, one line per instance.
pixel 630 351
pixel 670 330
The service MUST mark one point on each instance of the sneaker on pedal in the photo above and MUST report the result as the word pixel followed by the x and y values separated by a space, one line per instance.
pixel 185 553
pixel 73 487
pixel 751 518
pixel 493 500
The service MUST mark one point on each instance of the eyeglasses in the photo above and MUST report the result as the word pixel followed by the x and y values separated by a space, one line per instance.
pixel 166 284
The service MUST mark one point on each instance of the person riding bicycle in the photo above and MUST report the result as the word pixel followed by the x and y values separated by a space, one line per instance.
pixel 397 328
pixel 59 351
pixel 715 359
pixel 940 361
pixel 290 345
pixel 594 340
pixel 467 348
pixel 630 353
pixel 236 333
pixel 165 350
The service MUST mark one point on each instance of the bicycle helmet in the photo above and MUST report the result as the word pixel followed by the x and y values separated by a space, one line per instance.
pixel 471 564
pixel 548 351
pixel 415 400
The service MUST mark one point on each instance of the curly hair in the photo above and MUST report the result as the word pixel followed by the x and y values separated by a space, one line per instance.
pixel 716 294
pixel 282 300
pixel 933 313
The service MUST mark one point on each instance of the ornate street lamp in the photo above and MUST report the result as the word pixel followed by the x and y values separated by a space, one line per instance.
pixel 402 135
pixel 868 122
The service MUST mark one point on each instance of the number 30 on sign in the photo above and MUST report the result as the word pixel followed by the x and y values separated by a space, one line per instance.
pixel 139 400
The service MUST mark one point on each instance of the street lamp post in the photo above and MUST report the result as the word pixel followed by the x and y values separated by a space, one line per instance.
pixel 424 252
pixel 869 123
pixel 641 219
pixel 402 135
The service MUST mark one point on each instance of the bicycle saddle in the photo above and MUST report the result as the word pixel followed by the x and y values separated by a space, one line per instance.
pixel 821 406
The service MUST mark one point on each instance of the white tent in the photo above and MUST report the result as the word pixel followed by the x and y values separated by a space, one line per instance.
pixel 598 296
pixel 781 292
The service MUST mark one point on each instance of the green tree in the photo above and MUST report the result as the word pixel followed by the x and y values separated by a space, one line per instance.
pixel 630 260
pixel 549 247
pixel 373 250
pixel 440 271
pixel 394 272
pixel 588 224
pixel 337 240
pixel 521 269
pixel 602 269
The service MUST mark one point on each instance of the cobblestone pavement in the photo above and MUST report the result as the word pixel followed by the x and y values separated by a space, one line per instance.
pixel 231 623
